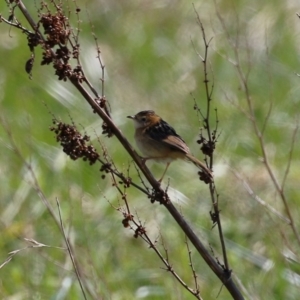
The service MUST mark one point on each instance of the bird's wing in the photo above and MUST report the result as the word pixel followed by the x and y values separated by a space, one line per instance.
pixel 177 143
pixel 163 132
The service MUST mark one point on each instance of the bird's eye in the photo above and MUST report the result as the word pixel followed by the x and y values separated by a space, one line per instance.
pixel 143 119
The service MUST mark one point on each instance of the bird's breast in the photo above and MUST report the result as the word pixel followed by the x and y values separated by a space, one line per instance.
pixel 158 150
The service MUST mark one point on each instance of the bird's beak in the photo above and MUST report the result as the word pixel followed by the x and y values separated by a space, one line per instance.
pixel 131 117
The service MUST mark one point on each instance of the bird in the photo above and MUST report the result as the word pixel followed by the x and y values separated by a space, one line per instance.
pixel 157 140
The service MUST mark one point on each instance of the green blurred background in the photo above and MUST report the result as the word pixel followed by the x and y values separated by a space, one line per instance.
pixel 151 63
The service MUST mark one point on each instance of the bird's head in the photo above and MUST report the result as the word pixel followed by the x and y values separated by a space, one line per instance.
pixel 145 118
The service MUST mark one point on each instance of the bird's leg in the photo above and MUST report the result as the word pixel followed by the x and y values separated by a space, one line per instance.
pixel 144 159
pixel 162 177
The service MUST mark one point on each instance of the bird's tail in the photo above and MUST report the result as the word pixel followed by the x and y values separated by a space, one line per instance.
pixel 208 176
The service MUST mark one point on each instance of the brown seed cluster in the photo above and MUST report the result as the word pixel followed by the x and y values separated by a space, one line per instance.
pixel 203 176
pixel 140 230
pixel 214 217
pixel 57 48
pixel 60 49
pixel 159 196
pixel 56 27
pixel 106 130
pixel 73 143
pixel 127 219
pixel 207 147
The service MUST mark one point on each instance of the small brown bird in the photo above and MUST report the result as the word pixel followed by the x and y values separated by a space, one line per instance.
pixel 157 140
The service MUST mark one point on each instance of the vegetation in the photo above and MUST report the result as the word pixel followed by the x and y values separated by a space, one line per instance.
pixel 102 227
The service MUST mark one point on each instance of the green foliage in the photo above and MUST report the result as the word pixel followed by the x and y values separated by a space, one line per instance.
pixel 151 62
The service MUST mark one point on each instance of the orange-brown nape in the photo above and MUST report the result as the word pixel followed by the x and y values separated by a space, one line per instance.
pixel 152 117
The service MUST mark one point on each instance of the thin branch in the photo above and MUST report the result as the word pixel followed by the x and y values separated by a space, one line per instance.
pixel 17 25
pixel 70 251
pixel 212 141
pixel 197 289
pixel 287 170
pixel 34 244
